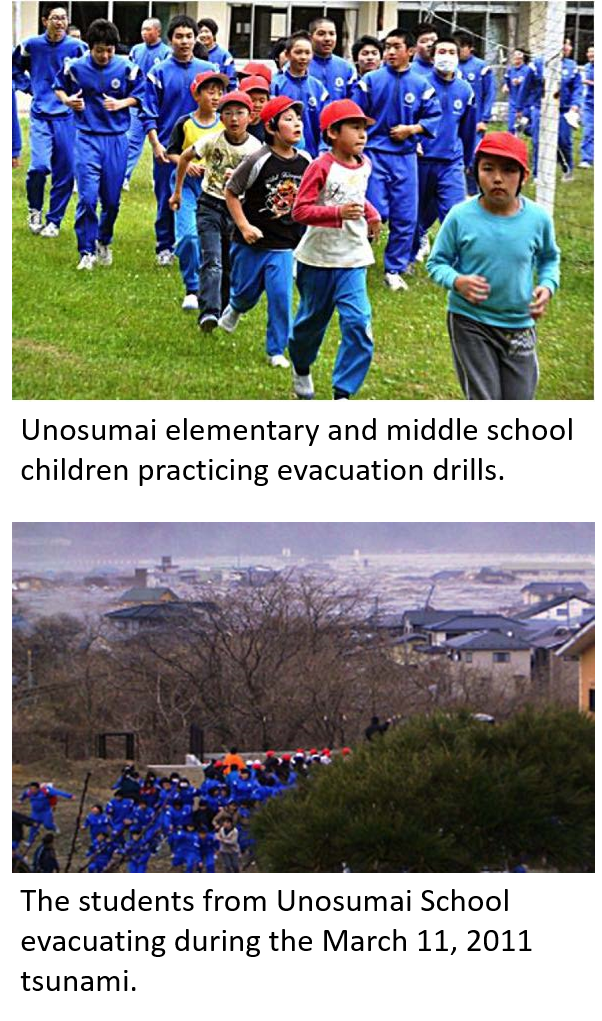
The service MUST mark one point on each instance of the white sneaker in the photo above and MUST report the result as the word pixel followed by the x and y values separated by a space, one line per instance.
pixel 165 257
pixel 104 254
pixel 126 184
pixel 50 231
pixel 584 165
pixel 395 282
pixel 279 362
pixel 567 177
pixel 34 221
pixel 303 387
pixel 190 303
pixel 425 249
pixel 229 319
pixel 87 261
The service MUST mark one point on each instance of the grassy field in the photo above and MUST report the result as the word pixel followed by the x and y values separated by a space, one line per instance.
pixel 119 333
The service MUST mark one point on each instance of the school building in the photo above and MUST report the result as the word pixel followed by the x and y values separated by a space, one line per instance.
pixel 249 30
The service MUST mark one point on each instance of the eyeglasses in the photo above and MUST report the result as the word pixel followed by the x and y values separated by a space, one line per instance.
pixel 58 17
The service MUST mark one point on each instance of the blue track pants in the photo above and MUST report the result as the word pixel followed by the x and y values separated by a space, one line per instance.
pixel 587 142
pixel 441 185
pixel 136 140
pixel 164 223
pixel 187 247
pixel 52 146
pixel 393 189
pixel 255 270
pixel 565 143
pixel 100 162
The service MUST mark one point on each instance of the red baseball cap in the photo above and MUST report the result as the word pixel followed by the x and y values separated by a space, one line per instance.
pixel 208 76
pixel 236 97
pixel 254 67
pixel 278 105
pixel 342 110
pixel 254 81
pixel 502 143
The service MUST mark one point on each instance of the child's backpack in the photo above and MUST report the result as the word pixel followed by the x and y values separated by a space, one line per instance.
pixel 52 798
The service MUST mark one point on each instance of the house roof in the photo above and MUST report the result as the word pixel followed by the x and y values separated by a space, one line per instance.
pixel 145 595
pixel 427 615
pixel 160 611
pixel 549 604
pixel 472 622
pixel 555 586
pixel 494 641
pixel 578 643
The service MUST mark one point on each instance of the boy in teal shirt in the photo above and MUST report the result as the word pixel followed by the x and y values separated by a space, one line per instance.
pixel 485 255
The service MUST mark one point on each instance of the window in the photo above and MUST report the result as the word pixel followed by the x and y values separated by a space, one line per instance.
pixel 501 657
pixel 592 700
pixel 129 17
pixel 83 14
pixel 240 30
pixel 468 657
pixel 254 28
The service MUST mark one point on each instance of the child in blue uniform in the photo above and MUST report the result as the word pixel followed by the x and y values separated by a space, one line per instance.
pixel 337 75
pixel 296 82
pixel 481 79
pixel 571 98
pixel 425 36
pixel 101 853
pixel 42 799
pixel 97 821
pixel 223 59
pixel 405 108
pixel 587 142
pixel 485 255
pixel 514 84
pixel 147 55
pixel 529 102
pixel 101 88
pixel 52 127
pixel 444 160
pixel 137 852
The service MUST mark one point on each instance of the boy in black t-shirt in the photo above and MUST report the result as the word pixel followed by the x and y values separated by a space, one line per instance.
pixel 260 196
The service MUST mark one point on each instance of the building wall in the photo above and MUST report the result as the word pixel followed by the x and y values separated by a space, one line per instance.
pixel 587 676
pixel 519 664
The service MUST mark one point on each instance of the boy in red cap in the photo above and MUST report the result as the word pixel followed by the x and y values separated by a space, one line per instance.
pixel 485 255
pixel 334 254
pixel 259 91
pixel 260 197
pixel 207 89
pixel 221 155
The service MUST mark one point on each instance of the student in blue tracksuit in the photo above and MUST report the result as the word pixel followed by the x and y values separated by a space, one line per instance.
pixel 444 160
pixel 514 84
pixel 17 140
pixel 207 35
pixel 41 798
pixel 101 88
pixel 296 82
pixel 97 821
pixel 571 98
pixel 146 55
pixel 426 36
pixel 52 126
pixel 481 78
pixel 167 99
pixel 337 75
pixel 587 142
pixel 120 812
pixel 101 852
pixel 137 851
pixel 405 107
pixel 529 102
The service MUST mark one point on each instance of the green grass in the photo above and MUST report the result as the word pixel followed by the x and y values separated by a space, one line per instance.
pixel 120 334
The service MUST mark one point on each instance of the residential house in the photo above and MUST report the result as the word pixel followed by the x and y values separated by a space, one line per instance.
pixel 503 656
pixel 541 591
pixel 132 620
pixel 444 629
pixel 583 646
pixel 135 596
pixel 569 609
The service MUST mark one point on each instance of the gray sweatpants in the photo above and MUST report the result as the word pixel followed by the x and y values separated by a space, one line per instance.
pixel 493 364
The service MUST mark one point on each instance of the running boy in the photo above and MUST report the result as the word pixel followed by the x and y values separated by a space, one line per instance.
pixel 258 90
pixel 100 88
pixel 221 155
pixel 334 254
pixel 207 89
pixel 485 255
pixel 260 197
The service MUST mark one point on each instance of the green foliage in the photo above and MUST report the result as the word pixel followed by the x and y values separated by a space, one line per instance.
pixel 444 794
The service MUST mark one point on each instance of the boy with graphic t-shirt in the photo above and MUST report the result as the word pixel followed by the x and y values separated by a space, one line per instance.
pixel 260 197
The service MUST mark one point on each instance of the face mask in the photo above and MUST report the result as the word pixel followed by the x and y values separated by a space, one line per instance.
pixel 446 64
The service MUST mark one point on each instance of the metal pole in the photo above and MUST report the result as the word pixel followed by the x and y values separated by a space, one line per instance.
pixel 553 22
pixel 77 821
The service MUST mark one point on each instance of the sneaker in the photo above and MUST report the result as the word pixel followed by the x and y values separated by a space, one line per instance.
pixel 87 261
pixel 126 184
pixel 104 254
pixel 395 282
pixel 279 362
pixel 229 318
pixel 584 165
pixel 303 387
pixel 165 257
pixel 34 221
pixel 190 303
pixel 425 249
pixel 208 323
pixel 50 231
pixel 567 177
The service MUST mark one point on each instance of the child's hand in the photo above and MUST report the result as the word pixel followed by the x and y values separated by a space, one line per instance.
pixel 374 229
pixel 160 153
pixel 76 102
pixel 111 104
pixel 175 201
pixel 16 162
pixel 474 288
pixel 251 234
pixel 401 132
pixel 352 211
pixel 195 170
pixel 541 299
